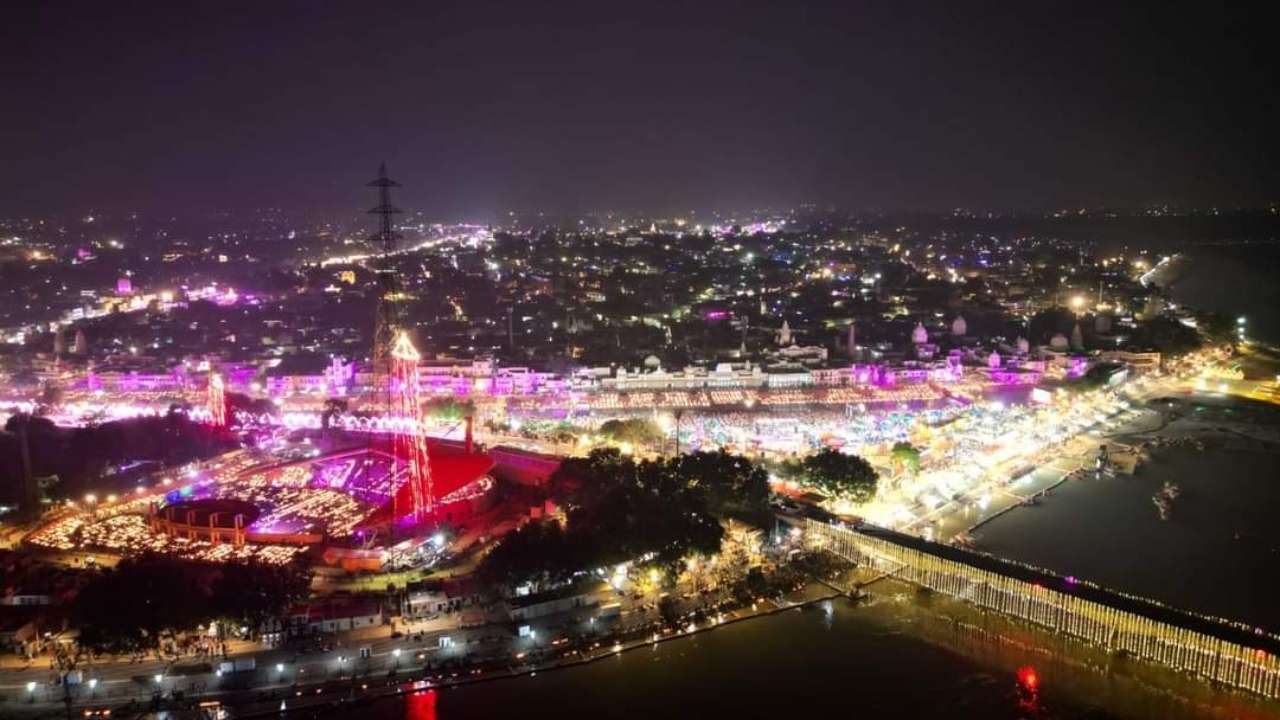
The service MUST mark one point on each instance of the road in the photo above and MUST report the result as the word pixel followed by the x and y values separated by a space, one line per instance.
pixel 368 653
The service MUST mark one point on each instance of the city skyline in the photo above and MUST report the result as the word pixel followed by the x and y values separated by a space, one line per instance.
pixel 377 360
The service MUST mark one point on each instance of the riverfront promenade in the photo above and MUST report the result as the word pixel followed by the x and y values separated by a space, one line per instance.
pixel 372 664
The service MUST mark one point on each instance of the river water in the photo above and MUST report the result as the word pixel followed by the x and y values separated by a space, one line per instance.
pixel 1234 280
pixel 1217 553
pixel 903 655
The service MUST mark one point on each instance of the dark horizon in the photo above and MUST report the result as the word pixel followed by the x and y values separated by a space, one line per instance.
pixel 484 108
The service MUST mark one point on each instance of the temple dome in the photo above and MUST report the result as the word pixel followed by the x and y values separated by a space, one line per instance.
pixel 919 336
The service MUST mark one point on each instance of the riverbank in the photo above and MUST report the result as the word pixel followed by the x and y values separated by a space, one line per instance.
pixel 898 652
pixel 361 688
pixel 421 683
pixel 417 662
pixel 1216 551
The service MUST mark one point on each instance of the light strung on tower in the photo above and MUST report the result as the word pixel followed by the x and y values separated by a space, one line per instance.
pixel 409 445
pixel 217 401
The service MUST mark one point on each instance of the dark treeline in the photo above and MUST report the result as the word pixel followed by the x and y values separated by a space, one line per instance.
pixel 619 510
pixel 82 458
pixel 133 607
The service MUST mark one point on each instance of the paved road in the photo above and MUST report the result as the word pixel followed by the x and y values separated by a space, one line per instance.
pixel 367 653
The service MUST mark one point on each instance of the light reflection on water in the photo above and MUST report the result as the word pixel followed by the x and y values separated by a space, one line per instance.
pixel 900 655
pixel 1216 553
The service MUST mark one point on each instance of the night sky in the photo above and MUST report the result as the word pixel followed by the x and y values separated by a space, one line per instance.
pixel 479 108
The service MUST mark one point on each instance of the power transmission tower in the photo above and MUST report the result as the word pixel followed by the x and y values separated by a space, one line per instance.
pixel 387 319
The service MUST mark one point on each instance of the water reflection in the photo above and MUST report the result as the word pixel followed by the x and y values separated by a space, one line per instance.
pixel 903 654
pixel 420 705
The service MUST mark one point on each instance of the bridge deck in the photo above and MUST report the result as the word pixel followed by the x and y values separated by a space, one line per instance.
pixel 1221 628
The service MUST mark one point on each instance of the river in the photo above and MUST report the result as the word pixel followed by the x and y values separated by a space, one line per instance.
pixel 902 655
pixel 1237 280
pixel 1216 554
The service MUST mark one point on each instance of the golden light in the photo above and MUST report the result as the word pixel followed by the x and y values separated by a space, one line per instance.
pixel 404 349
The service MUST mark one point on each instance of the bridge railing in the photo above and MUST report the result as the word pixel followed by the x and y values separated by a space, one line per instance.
pixel 1223 657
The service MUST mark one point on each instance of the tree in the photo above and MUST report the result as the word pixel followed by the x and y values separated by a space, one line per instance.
pixel 755 584
pixel 1217 327
pixel 449 408
pixel 67 658
pixel 536 552
pixel 619 510
pixel 637 431
pixel 130 608
pixel 840 475
pixel 732 485
pixel 239 402
pixel 1167 335
pixel 78 456
pixel 669 609
pixel 906 457
pixel 252 594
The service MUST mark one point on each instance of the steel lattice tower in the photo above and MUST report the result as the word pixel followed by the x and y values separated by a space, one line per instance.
pixel 387 320
pixel 409 444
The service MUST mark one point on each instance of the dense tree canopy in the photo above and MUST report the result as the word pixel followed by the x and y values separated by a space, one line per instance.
pixel 732 485
pixel 131 607
pixel 841 475
pixel 620 510
pixel 1167 335
pixel 906 456
pixel 82 458
pixel 636 431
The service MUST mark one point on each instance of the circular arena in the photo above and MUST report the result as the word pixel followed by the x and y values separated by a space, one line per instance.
pixel 214 520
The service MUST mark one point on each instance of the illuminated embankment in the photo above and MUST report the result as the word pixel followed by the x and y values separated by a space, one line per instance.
pixel 1214 649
